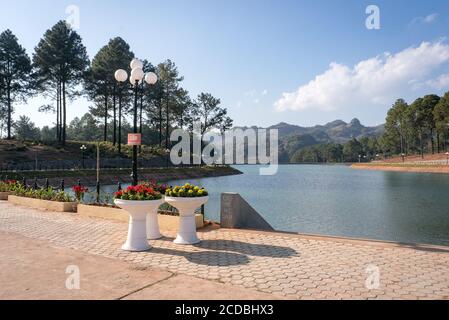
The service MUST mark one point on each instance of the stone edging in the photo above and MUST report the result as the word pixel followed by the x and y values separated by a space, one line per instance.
pixel 43 204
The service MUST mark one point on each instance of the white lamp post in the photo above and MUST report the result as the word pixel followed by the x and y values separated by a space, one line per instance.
pixel 137 75
pixel 83 148
pixel 121 76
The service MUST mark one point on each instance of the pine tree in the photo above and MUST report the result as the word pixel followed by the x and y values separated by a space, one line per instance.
pixel 102 87
pixel 15 74
pixel 61 59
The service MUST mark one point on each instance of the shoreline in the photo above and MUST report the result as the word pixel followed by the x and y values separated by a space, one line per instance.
pixel 403 167
pixel 113 176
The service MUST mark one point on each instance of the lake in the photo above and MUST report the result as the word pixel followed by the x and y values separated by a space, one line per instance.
pixel 340 201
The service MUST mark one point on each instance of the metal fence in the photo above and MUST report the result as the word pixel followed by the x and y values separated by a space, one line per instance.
pixel 87 164
pixel 96 194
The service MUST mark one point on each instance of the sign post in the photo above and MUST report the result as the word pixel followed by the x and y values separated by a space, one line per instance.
pixel 134 139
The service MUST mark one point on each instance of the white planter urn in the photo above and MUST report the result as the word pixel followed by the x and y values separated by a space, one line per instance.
pixel 187 226
pixel 153 231
pixel 137 230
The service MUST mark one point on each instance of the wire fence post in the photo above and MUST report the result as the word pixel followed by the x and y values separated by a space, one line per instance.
pixel 98 191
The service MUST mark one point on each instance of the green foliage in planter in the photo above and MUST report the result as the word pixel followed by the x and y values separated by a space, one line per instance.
pixel 186 191
pixel 43 194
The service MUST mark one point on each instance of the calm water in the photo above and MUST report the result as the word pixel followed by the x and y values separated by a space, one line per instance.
pixel 340 201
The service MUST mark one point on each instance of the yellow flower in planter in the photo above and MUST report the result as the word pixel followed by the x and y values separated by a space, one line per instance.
pixel 186 191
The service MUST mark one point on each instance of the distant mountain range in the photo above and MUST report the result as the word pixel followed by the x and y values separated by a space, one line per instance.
pixel 336 131
pixel 293 138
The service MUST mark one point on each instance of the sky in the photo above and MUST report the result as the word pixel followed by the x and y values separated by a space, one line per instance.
pixel 300 62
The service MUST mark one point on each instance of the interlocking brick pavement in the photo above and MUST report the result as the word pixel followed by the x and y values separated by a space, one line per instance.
pixel 293 266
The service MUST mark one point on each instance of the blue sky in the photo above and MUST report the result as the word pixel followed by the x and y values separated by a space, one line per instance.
pixel 249 53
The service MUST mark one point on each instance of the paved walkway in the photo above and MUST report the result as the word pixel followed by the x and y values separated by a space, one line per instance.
pixel 35 270
pixel 282 265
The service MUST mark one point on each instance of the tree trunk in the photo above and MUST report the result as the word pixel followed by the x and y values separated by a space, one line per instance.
pixel 105 133
pixel 64 121
pixel 445 141
pixel 421 144
pixel 432 141
pixel 114 138
pixel 160 122
pixel 9 124
pixel 166 126
pixel 60 112
pixel 438 142
pixel 120 123
pixel 140 117
pixel 58 137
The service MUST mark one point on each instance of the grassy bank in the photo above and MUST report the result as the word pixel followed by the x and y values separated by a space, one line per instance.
pixel 26 151
pixel 113 176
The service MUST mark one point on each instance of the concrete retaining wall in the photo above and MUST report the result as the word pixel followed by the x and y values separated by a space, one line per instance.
pixel 43 204
pixel 236 213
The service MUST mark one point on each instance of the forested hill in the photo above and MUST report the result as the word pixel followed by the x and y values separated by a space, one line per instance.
pixel 336 131
pixel 293 138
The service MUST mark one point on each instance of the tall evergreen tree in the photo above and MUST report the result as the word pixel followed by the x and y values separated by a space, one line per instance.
pixel 419 117
pixel 164 97
pixel 60 58
pixel 441 118
pixel 396 127
pixel 15 74
pixel 101 85
pixel 210 114
pixel 26 129
pixel 429 103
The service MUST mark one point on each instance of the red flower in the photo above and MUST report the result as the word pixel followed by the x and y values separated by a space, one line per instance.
pixel 79 189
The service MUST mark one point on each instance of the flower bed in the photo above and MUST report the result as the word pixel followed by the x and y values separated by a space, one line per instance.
pixel 47 199
pixel 6 188
pixel 138 193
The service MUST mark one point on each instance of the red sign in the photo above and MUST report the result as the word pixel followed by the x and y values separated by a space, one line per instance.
pixel 134 139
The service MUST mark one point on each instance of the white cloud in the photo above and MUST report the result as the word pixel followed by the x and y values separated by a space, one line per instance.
pixel 256 101
pixel 265 92
pixel 442 82
pixel 430 18
pixel 372 82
